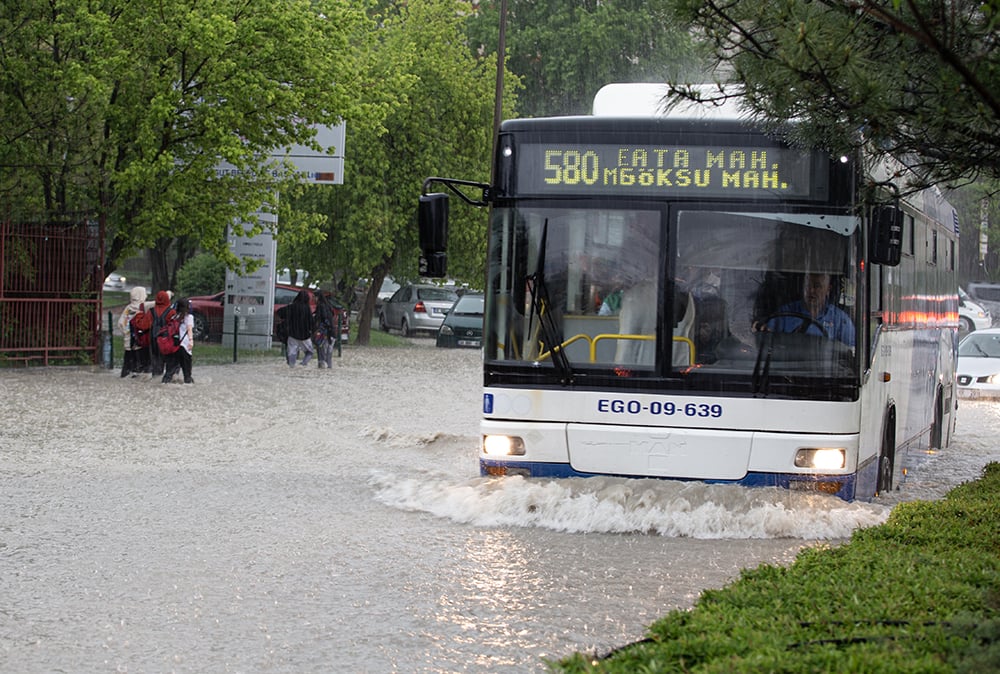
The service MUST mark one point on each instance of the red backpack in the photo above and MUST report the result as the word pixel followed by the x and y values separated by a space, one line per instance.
pixel 168 336
pixel 140 325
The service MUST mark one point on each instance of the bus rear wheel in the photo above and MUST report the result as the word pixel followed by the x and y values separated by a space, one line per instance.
pixel 937 427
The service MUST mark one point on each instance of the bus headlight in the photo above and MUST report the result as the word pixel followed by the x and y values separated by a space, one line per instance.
pixel 503 445
pixel 821 458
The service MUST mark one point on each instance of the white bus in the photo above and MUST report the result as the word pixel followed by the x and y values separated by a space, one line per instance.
pixel 686 297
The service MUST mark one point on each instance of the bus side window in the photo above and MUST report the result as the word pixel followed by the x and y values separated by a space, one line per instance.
pixel 876 304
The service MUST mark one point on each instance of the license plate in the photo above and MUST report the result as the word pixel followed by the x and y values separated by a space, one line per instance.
pixel 468 342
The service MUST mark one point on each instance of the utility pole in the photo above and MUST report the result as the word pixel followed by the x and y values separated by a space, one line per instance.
pixel 984 239
pixel 498 97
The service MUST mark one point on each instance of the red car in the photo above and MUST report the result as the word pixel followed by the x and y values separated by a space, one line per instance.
pixel 208 311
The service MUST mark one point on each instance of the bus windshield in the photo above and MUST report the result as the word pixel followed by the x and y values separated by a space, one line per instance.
pixel 666 291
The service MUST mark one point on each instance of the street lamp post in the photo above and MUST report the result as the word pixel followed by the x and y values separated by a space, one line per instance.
pixel 498 97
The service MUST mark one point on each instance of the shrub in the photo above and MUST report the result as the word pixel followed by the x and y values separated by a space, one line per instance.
pixel 203 274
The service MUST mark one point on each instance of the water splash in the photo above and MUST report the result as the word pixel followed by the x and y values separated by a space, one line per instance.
pixel 620 505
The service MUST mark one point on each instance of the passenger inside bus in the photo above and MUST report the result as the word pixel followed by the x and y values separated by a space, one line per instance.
pixel 814 313
pixel 712 339
pixel 637 320
pixel 700 281
pixel 637 325
pixel 612 303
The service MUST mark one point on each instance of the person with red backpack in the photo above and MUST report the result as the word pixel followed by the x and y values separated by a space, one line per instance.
pixel 179 343
pixel 134 328
pixel 162 311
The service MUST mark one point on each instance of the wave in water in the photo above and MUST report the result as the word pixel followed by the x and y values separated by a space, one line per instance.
pixel 621 505
pixel 434 439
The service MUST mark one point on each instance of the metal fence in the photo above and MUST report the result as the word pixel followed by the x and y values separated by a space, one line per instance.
pixel 50 291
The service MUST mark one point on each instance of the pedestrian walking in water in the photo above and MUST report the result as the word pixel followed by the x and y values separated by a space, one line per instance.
pixel 161 312
pixel 324 331
pixel 297 317
pixel 181 359
pixel 136 345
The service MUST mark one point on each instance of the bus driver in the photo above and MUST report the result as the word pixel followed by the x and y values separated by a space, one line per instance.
pixel 816 315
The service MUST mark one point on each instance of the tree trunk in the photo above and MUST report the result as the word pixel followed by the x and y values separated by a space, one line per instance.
pixel 367 312
pixel 158 266
pixel 165 260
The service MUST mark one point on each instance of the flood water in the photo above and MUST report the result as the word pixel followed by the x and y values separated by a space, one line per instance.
pixel 275 520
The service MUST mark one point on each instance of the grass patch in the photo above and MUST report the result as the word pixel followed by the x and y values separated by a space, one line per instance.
pixel 115 298
pixel 205 353
pixel 920 593
pixel 214 353
pixel 379 338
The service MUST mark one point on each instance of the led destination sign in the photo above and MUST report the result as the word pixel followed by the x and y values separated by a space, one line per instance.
pixel 654 170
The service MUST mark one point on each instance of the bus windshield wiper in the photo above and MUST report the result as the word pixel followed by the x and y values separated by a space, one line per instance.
pixel 762 367
pixel 540 308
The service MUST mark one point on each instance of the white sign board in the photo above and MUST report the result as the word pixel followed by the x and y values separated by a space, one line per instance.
pixel 248 305
pixel 249 300
pixel 321 168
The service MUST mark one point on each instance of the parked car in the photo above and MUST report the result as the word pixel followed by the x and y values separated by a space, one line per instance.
pixel 416 307
pixel 979 364
pixel 386 290
pixel 463 326
pixel 971 315
pixel 986 295
pixel 114 282
pixel 208 312
pixel 284 277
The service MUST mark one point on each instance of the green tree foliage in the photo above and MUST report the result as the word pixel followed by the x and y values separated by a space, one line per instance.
pixel 203 274
pixel 566 50
pixel 124 108
pixel 978 209
pixel 920 79
pixel 438 102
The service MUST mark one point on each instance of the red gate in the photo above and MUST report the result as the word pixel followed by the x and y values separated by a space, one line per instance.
pixel 50 291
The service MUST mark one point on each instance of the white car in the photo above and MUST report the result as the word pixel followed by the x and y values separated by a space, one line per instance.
pixel 284 277
pixel 388 289
pixel 979 364
pixel 986 294
pixel 114 282
pixel 971 316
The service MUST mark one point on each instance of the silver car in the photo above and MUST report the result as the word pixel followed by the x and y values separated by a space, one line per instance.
pixel 416 307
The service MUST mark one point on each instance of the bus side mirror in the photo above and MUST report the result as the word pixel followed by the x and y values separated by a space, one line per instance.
pixel 886 242
pixel 432 220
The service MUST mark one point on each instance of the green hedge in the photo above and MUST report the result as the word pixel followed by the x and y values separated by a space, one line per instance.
pixel 920 593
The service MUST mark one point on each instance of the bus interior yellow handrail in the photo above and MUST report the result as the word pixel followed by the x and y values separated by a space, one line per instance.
pixel 592 341
pixel 574 338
